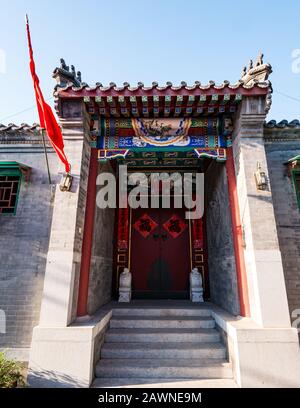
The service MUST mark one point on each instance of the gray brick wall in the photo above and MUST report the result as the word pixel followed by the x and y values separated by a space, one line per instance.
pixel 100 282
pixel 221 261
pixel 24 239
pixel 280 147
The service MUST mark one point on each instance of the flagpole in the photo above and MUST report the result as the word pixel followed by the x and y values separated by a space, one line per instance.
pixel 46 155
pixel 47 118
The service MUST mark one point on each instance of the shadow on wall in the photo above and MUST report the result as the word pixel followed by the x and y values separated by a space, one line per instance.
pixel 265 199
pixel 51 379
pixel 221 260
pixel 101 268
pixel 254 146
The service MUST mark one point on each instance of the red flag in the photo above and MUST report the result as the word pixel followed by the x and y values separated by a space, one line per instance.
pixel 47 119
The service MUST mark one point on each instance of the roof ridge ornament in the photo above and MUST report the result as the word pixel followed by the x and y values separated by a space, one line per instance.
pixel 64 75
pixel 256 72
pixel 259 60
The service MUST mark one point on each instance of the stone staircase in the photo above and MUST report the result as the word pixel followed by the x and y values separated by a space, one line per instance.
pixel 163 347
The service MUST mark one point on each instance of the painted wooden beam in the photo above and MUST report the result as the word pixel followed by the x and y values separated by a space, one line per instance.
pixel 226 99
pixel 110 101
pixel 156 101
pixel 122 101
pixel 179 100
pixel 202 100
pixel 100 101
pixel 191 100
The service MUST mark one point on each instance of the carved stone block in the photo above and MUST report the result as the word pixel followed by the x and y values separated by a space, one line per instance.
pixel 196 288
pixel 125 286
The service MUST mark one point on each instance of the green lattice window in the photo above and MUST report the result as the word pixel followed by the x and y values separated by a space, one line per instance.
pixel 296 180
pixel 9 191
pixel 11 176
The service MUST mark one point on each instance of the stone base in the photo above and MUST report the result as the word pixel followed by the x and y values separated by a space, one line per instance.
pixel 197 296
pixel 125 296
pixel 64 357
pixel 268 358
pixel 261 357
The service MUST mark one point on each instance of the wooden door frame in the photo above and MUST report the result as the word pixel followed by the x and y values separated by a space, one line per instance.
pixel 130 236
pixel 117 267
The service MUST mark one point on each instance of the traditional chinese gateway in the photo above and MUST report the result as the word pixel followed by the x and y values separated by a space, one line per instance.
pixel 63 258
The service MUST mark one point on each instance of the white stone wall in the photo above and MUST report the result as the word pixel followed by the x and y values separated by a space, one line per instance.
pixel 60 293
pixel 265 278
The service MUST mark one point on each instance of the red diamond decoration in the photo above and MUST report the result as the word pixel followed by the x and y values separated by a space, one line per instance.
pixel 145 225
pixel 175 226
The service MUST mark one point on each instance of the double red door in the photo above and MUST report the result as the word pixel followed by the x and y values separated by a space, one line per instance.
pixel 160 253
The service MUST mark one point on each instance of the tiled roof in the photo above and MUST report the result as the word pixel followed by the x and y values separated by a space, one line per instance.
pixel 168 86
pixel 162 101
pixel 23 128
pixel 166 100
pixel 282 124
pixel 256 75
pixel 21 134
pixel 294 160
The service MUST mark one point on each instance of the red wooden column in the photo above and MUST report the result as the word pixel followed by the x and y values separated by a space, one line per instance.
pixel 237 233
pixel 87 236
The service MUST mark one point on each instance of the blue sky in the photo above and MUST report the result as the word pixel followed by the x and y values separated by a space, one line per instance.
pixel 157 40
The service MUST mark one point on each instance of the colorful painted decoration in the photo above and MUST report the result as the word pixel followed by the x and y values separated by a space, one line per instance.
pixel 117 133
pixel 161 132
pixel 219 154
pixel 111 154
pixel 145 225
pixel 175 226
pixel 203 137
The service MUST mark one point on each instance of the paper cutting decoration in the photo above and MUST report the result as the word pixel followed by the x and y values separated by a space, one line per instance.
pixel 145 225
pixel 175 226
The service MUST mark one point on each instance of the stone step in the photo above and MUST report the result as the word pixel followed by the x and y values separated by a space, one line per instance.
pixel 190 322
pixel 163 368
pixel 163 311
pixel 163 383
pixel 162 335
pixel 163 350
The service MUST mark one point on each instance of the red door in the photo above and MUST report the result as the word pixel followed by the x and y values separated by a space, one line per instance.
pixel 160 253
